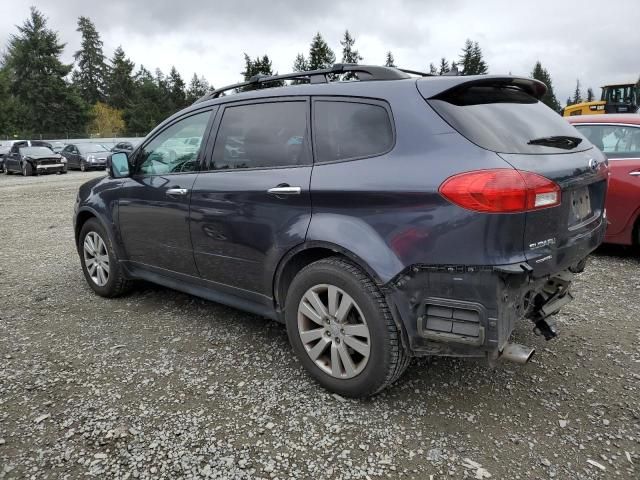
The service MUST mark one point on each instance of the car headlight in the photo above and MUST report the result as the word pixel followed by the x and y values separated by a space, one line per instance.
pixel 91 158
pixel 63 160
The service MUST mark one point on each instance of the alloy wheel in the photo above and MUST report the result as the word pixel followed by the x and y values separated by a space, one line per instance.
pixel 96 258
pixel 334 331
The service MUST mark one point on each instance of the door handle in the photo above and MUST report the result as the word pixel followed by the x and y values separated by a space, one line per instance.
pixel 285 190
pixel 177 191
pixel 635 174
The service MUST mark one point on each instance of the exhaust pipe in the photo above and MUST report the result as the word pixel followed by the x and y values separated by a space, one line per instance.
pixel 516 353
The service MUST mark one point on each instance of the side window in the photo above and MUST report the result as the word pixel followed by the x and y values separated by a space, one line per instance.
pixel 614 140
pixel 262 135
pixel 346 130
pixel 169 153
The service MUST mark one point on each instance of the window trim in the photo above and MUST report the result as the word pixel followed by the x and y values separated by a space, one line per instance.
pixel 254 101
pixel 611 124
pixel 351 99
pixel 135 155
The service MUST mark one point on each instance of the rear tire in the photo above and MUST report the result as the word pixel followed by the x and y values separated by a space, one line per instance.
pixel 355 351
pixel 100 264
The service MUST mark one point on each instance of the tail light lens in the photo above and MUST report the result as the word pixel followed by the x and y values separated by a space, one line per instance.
pixel 501 191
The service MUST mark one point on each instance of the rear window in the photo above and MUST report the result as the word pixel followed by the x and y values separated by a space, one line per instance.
pixel 507 120
pixel 349 130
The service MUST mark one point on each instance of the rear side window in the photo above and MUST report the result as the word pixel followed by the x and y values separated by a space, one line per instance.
pixel 348 130
pixel 507 120
pixel 617 141
pixel 262 135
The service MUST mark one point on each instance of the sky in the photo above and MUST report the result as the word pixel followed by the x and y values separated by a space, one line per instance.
pixel 594 41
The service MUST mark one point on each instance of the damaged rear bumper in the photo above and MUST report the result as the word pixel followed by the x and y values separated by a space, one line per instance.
pixel 472 311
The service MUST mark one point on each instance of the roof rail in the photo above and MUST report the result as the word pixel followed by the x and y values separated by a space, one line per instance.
pixel 364 73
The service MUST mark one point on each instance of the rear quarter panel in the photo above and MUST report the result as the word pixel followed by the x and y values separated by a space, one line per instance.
pixel 387 209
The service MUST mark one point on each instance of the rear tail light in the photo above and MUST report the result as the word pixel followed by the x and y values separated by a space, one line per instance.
pixel 501 191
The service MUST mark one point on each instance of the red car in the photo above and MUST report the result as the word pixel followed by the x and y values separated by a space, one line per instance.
pixel 618 136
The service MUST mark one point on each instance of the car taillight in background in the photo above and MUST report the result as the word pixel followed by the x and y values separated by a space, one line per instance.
pixel 501 191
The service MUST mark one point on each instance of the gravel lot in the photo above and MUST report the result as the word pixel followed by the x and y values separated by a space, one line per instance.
pixel 159 384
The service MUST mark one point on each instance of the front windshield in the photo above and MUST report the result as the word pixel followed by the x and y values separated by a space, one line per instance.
pixel 35 151
pixel 91 148
pixel 620 94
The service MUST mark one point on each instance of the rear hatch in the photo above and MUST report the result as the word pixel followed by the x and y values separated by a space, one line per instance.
pixel 504 115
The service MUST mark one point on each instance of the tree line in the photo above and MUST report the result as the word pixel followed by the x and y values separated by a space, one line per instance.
pixel 110 97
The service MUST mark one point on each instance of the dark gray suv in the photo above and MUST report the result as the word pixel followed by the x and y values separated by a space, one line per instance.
pixel 380 218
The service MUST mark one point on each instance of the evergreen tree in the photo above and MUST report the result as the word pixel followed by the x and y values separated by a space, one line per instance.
pixel 471 60
pixel 569 102
pixel 90 76
pixel 549 98
pixel 120 84
pixel 48 104
pixel 444 66
pixel 590 95
pixel 300 64
pixel 320 55
pixel 454 67
pixel 390 61
pixel 177 94
pixel 146 108
pixel 9 112
pixel 432 69
pixel 198 88
pixel 259 66
pixel 349 54
pixel 577 94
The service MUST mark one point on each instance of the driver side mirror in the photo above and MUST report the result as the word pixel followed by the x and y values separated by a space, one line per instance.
pixel 118 165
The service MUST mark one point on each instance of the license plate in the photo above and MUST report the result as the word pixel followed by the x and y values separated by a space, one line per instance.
pixel 580 204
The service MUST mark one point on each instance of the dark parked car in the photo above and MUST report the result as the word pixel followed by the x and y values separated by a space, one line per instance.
pixel 618 136
pixel 86 156
pixel 122 147
pixel 379 219
pixel 33 160
pixel 3 152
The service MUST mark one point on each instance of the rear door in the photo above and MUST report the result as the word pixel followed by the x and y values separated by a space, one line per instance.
pixel 507 119
pixel 253 203
pixel 621 144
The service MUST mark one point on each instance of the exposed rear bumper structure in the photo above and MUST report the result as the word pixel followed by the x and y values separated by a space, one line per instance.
pixel 429 302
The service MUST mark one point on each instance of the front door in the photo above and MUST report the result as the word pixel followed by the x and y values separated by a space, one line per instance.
pixel 252 204
pixel 153 211
pixel 621 144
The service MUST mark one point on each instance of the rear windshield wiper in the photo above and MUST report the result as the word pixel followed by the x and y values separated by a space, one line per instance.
pixel 559 141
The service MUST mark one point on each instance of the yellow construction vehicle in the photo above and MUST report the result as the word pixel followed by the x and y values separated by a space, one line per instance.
pixel 616 98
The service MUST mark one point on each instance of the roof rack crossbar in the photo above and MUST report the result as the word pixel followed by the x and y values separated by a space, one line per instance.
pixel 365 72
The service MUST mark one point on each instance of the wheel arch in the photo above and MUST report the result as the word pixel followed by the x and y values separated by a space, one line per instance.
pixel 306 253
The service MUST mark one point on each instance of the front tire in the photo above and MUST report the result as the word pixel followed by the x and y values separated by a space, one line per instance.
pixel 83 166
pixel 6 170
pixel 100 265
pixel 27 169
pixel 341 329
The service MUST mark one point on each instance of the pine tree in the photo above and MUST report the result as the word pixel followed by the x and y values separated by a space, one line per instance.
pixel 390 61
pixel 320 55
pixel 471 60
pixel 259 66
pixel 198 87
pixel 577 94
pixel 90 76
pixel 590 95
pixel 444 66
pixel 432 69
pixel 120 84
pixel 549 98
pixel 479 65
pixel 349 54
pixel 300 64
pixel 176 86
pixel 146 108
pixel 454 67
pixel 569 102
pixel 48 104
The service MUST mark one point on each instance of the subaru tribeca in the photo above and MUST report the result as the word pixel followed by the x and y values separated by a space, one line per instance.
pixel 381 218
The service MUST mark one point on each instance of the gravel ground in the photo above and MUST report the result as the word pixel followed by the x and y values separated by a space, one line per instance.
pixel 159 384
